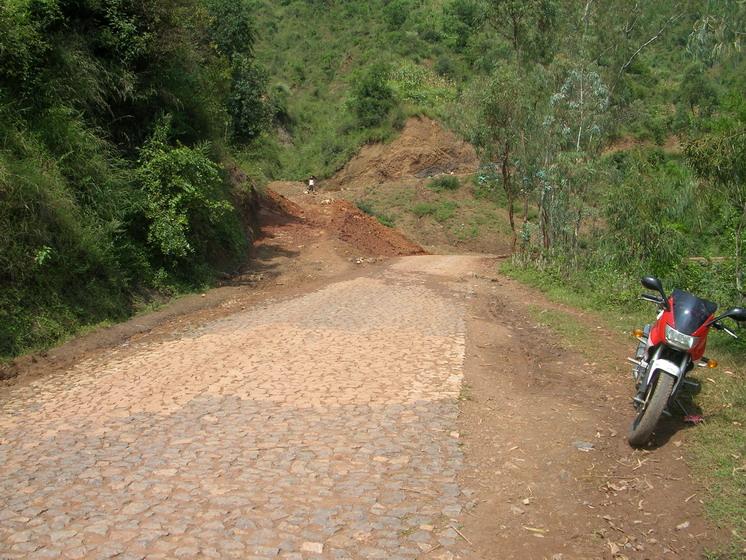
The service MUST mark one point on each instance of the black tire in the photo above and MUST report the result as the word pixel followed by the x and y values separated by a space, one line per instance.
pixel 650 412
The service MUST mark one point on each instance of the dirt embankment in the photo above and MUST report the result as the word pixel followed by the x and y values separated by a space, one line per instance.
pixel 423 149
pixel 340 220
pixel 368 234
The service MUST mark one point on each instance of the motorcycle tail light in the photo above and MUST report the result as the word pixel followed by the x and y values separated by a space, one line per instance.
pixel 680 340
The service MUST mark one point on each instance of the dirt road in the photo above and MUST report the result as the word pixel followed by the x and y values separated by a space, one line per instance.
pixel 407 410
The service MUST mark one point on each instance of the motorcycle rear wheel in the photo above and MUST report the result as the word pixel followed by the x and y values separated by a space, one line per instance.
pixel 651 410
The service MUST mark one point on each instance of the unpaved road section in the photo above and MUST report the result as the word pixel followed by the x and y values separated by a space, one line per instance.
pixel 318 426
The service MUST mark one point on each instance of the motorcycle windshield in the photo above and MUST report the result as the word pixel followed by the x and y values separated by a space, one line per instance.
pixel 690 312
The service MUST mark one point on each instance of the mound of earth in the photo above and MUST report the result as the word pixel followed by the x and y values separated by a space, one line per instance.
pixel 423 149
pixel 335 219
pixel 367 234
pixel 278 204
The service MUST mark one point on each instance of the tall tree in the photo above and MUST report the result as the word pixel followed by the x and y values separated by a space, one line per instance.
pixel 504 120
pixel 719 156
pixel 529 25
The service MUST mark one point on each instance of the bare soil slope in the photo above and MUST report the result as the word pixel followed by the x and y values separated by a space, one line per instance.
pixel 423 149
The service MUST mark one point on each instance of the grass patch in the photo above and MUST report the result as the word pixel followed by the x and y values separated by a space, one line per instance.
pixel 464 232
pixel 444 183
pixel 565 324
pixel 441 211
pixel 367 208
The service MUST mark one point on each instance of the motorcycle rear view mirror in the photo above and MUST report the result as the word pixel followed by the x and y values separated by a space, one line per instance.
pixel 737 313
pixel 653 283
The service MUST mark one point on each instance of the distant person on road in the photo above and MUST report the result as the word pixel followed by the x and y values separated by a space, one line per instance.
pixel 311 184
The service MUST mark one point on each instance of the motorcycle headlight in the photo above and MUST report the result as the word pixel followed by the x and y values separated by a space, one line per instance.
pixel 680 340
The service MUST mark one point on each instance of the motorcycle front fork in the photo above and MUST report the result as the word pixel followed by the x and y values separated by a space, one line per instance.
pixel 639 373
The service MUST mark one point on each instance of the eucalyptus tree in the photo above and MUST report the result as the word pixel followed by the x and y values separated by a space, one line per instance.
pixel 529 25
pixel 719 157
pixel 500 134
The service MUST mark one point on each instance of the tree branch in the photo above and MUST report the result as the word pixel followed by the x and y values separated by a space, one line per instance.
pixel 654 38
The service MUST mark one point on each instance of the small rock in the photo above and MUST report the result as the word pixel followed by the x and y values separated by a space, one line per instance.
pixel 186 552
pixel 515 510
pixel 314 547
pixel 76 553
pixel 583 446
pixel 682 526
pixel 133 508
pixel 20 537
pixel 62 535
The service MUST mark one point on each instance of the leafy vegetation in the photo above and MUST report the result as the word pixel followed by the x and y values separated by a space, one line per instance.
pixel 444 183
pixel 113 125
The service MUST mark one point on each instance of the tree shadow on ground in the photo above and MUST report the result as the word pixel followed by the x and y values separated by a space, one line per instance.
pixel 268 252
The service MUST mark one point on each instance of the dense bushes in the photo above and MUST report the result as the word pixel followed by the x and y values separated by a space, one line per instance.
pixel 372 97
pixel 102 197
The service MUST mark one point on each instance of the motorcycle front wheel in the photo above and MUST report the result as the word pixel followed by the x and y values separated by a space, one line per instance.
pixel 650 411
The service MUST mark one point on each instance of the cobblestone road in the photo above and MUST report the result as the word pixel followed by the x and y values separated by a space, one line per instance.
pixel 317 427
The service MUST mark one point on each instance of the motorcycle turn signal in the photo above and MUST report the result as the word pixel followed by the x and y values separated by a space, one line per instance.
pixel 638 333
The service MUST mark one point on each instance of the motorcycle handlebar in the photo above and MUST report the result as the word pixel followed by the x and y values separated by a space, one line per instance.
pixel 721 327
pixel 653 299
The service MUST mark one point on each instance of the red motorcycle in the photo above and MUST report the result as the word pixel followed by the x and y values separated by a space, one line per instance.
pixel 668 350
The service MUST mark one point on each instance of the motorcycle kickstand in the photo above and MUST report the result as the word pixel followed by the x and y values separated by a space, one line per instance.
pixel 682 407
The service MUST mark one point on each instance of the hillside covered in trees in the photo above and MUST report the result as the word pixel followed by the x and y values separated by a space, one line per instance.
pixel 613 132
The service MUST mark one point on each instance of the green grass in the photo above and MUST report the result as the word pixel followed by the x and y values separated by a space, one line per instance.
pixel 444 183
pixel 367 208
pixel 716 450
pixel 441 211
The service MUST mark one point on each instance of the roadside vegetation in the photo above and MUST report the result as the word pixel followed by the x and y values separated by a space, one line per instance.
pixel 116 121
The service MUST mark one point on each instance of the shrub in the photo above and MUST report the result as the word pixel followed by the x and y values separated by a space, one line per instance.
pixel 183 202
pixel 249 112
pixel 372 98
pixel 444 183
pixel 444 66
pixel 396 13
